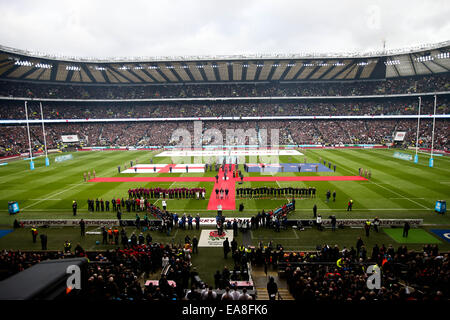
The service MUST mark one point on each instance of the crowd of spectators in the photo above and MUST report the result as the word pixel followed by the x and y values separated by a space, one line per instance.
pixel 327 274
pixel 430 83
pixel 117 274
pixel 406 275
pixel 13 110
pixel 13 139
pixel 334 274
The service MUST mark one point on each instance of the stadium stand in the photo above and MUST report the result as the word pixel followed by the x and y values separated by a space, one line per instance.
pixel 13 139
pixel 293 131
pixel 406 106
pixel 434 83
pixel 108 106
pixel 312 276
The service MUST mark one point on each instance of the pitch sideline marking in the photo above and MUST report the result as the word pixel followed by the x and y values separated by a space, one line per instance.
pixel 400 195
pixel 52 195
pixel 403 197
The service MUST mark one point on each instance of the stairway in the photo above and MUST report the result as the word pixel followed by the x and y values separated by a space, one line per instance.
pixel 260 281
pixel 261 294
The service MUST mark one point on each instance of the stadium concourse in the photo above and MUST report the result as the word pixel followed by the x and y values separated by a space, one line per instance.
pixel 279 134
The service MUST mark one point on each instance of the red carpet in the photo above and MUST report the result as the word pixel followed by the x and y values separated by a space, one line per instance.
pixel 307 178
pixel 152 179
pixel 227 204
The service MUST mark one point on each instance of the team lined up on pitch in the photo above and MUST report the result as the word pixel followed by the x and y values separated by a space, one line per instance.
pixel 163 193
pixel 267 193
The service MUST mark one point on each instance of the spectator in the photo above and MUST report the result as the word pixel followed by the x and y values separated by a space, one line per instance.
pixel 272 288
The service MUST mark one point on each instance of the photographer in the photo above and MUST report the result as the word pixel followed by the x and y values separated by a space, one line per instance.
pixel 319 222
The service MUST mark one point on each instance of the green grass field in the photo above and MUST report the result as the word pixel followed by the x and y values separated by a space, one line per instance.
pixel 398 189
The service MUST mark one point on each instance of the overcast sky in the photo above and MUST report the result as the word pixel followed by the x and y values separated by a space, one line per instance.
pixel 110 28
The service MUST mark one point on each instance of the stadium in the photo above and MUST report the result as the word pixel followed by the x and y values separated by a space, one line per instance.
pixel 309 167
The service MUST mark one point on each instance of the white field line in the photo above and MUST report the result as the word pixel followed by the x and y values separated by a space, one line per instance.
pixel 404 198
pixel 400 195
pixel 46 199
pixel 51 195
pixel 175 234
pixel 167 188
pixel 378 184
pixel 279 186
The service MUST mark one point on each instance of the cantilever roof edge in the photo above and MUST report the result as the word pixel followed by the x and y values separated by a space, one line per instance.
pixel 303 55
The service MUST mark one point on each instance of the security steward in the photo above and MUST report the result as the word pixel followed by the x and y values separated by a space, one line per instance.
pixel 67 246
pixel 74 207
pixel 34 233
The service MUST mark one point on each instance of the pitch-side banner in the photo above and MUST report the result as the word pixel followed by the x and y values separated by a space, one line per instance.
pixel 76 222
pixel 211 238
pixel 109 222
pixel 212 222
pixel 70 138
pixel 414 223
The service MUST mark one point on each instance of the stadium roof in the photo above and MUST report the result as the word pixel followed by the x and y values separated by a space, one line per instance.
pixel 31 66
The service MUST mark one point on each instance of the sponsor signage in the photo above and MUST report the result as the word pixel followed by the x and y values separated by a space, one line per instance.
pixel 212 222
pixel 70 138
pixel 442 233
pixel 441 206
pixel 403 156
pixel 211 238
pixel 64 158
pixel 358 222
pixel 76 222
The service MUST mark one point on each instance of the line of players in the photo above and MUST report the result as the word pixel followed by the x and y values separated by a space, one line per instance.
pixel 266 192
pixel 162 193
pixel 130 205
pixel 365 173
